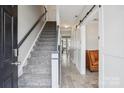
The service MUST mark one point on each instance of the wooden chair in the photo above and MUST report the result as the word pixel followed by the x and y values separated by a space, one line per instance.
pixel 92 58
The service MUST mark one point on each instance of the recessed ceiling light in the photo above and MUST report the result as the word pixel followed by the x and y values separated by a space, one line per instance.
pixel 66 26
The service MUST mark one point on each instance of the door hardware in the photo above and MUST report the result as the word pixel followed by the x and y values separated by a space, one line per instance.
pixel 16 63
pixel 15 52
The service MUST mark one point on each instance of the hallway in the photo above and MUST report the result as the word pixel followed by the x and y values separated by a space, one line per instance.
pixel 71 78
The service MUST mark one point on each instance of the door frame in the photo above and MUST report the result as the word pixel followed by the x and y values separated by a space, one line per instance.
pixel 101 48
pixel 100 42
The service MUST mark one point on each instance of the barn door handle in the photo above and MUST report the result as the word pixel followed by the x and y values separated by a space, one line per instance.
pixel 16 63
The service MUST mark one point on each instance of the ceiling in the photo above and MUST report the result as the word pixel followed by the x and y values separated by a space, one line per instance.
pixel 68 13
pixel 95 18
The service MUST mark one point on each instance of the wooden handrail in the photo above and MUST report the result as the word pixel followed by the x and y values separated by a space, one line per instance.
pixel 28 33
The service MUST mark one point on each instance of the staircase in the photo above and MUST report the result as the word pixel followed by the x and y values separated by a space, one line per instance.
pixel 37 73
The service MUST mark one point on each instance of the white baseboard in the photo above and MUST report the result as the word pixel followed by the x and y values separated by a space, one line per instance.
pixel 24 63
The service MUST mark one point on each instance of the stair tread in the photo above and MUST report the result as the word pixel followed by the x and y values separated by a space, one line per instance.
pixel 41 76
pixel 42 44
pixel 35 79
pixel 51 39
pixel 34 86
pixel 44 66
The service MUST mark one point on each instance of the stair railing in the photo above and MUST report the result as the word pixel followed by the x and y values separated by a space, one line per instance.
pixel 32 28
pixel 56 64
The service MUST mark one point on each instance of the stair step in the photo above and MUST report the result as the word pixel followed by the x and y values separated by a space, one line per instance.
pixel 48 36
pixel 40 69
pixel 53 24
pixel 48 48
pixel 41 54
pixel 50 25
pixel 30 86
pixel 49 30
pixel 48 33
pixel 44 49
pixel 40 66
pixel 39 80
pixel 47 39
pixel 42 46
pixel 44 59
pixel 36 61
pixel 52 43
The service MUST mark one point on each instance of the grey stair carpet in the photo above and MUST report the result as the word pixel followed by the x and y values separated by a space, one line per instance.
pixel 37 73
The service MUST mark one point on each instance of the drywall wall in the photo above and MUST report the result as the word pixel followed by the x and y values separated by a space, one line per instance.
pixel 27 16
pixel 92 36
pixel 57 15
pixel 112 45
pixel 51 15
pixel 82 51
pixel 72 46
pixel 78 47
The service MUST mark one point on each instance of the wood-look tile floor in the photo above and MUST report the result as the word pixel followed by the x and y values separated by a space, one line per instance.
pixel 71 78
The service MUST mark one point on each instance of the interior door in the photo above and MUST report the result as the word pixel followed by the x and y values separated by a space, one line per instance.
pixel 8 47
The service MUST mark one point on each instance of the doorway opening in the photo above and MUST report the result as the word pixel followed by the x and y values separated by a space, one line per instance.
pixel 84 41
pixel 65 50
pixel 92 48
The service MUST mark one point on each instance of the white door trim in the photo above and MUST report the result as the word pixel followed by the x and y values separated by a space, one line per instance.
pixel 101 48
pixel 83 49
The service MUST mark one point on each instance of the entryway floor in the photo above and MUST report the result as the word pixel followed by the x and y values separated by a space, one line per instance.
pixel 71 78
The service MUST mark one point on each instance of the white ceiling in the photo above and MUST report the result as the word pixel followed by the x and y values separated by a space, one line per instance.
pixel 95 18
pixel 68 13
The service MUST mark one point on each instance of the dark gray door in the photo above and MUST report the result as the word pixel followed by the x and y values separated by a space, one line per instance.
pixel 8 47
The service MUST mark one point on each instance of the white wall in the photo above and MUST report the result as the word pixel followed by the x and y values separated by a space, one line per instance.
pixel 72 46
pixel 58 15
pixel 51 15
pixel 112 43
pixel 82 49
pixel 92 36
pixel 27 16
pixel 78 48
